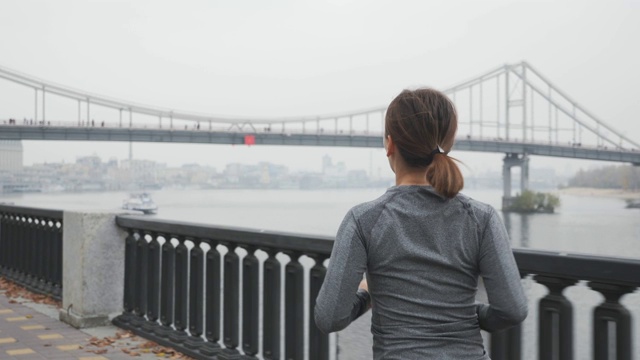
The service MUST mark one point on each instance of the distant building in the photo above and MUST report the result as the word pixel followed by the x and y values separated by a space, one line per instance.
pixel 327 163
pixel 11 155
pixel 333 175
pixel 92 162
pixel 143 174
pixel 272 175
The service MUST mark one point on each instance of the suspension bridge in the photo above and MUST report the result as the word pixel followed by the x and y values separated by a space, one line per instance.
pixel 512 109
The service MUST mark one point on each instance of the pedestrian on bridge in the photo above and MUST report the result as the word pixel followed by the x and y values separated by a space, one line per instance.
pixel 423 247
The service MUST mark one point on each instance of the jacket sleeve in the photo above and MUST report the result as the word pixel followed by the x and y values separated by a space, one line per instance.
pixel 339 302
pixel 507 301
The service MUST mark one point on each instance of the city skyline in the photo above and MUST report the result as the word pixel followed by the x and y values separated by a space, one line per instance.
pixel 373 161
pixel 91 175
pixel 326 165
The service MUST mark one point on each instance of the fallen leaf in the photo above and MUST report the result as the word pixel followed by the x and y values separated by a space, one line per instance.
pixel 13 290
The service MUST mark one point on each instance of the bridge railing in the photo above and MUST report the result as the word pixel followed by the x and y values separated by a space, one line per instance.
pixel 210 291
pixel 31 248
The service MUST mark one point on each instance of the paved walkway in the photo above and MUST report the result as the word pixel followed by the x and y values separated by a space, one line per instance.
pixel 30 331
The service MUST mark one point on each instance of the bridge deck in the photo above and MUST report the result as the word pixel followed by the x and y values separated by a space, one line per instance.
pixel 237 137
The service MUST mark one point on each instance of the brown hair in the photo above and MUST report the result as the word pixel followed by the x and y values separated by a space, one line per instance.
pixel 419 121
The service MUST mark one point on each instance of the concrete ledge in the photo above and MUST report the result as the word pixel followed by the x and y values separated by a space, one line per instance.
pixel 81 322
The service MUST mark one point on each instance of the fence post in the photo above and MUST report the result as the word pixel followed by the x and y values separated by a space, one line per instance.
pixel 93 268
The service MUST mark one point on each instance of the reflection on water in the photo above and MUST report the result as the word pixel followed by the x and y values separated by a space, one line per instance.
pixel 515 222
pixel 582 224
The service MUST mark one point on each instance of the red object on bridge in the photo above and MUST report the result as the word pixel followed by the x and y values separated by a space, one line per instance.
pixel 250 139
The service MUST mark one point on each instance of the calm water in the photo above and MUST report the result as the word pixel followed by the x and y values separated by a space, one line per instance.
pixel 594 225
pixel 601 226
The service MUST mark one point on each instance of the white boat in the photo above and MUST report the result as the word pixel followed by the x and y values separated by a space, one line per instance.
pixel 140 202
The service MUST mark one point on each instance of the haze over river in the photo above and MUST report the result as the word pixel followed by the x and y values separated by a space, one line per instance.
pixel 583 224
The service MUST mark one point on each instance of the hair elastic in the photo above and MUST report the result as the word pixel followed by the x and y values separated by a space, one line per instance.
pixel 438 150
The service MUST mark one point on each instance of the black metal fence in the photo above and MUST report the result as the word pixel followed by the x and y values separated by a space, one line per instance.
pixel 612 330
pixel 183 281
pixel 178 289
pixel 31 248
pixel 228 293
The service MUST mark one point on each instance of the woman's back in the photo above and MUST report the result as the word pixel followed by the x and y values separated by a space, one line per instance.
pixel 423 273
pixel 423 246
pixel 423 255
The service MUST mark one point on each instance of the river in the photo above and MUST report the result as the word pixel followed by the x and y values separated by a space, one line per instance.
pixel 583 224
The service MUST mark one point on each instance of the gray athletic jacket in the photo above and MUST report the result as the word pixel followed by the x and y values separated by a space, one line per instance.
pixel 423 254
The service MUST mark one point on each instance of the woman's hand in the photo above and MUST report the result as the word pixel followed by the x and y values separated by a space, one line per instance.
pixel 363 285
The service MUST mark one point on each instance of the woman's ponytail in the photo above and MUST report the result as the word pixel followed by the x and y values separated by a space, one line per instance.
pixel 445 176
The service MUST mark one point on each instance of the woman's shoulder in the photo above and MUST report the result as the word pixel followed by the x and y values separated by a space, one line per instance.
pixel 370 205
pixel 373 207
pixel 481 210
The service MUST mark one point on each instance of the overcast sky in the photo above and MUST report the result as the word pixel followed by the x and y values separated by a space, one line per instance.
pixel 273 58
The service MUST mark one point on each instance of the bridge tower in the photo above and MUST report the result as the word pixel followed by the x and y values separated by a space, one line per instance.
pixel 509 161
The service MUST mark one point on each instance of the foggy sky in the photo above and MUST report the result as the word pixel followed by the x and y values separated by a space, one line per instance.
pixel 286 58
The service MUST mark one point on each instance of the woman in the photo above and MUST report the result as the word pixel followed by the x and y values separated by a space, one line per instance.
pixel 423 246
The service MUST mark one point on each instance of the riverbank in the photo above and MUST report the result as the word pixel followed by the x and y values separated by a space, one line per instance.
pixel 610 193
